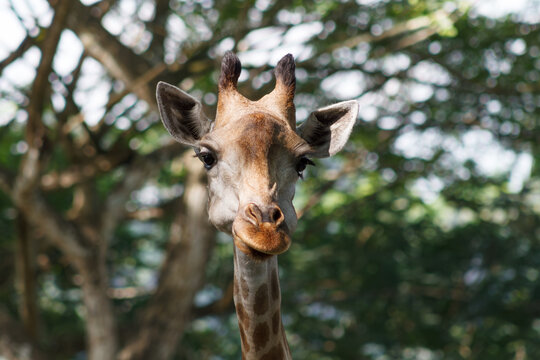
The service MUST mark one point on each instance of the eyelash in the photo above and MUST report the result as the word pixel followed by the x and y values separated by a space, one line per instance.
pixel 301 165
pixel 207 158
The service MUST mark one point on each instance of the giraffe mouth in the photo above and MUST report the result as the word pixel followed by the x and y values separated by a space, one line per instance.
pixel 260 241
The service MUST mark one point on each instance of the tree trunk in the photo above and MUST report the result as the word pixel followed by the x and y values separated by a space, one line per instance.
pixel 182 275
pixel 14 342
pixel 26 277
pixel 101 332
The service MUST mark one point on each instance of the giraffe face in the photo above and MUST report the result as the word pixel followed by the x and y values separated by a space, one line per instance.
pixel 253 165
pixel 254 154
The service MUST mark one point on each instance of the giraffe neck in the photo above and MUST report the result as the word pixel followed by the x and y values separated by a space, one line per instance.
pixel 257 298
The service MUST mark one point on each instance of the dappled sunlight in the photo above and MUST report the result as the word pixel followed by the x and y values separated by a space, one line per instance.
pixel 344 85
pixel 418 241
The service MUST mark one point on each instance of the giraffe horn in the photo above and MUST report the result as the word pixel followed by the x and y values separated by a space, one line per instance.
pixel 230 71
pixel 285 77
pixel 228 95
pixel 283 93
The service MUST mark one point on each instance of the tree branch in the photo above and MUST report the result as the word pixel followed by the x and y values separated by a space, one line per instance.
pixel 6 181
pixel 222 305
pixel 24 194
pixel 26 276
pixel 147 213
pixel 65 235
pixel 83 172
pixel 353 164
pixel 410 26
pixel 17 53
pixel 119 60
pixel 35 131
pixel 29 169
pixel 159 32
pixel 141 169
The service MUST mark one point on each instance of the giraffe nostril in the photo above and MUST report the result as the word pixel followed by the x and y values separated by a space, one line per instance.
pixel 276 215
pixel 254 214
pixel 269 214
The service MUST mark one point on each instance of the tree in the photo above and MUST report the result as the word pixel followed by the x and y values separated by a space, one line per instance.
pixel 421 240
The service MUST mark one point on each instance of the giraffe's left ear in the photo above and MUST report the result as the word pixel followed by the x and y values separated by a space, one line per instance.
pixel 181 114
pixel 328 129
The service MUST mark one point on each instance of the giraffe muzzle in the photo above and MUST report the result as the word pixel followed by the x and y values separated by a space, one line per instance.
pixel 261 229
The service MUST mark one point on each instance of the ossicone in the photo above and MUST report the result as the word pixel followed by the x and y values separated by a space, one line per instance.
pixel 284 72
pixel 230 71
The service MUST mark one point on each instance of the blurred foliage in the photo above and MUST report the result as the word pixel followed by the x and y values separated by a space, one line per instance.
pixel 430 249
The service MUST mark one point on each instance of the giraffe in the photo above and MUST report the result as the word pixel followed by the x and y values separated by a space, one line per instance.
pixel 254 154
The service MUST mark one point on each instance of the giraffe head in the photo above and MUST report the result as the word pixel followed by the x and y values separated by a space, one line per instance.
pixel 253 152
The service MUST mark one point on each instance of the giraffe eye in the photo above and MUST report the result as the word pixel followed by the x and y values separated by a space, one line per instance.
pixel 303 162
pixel 208 159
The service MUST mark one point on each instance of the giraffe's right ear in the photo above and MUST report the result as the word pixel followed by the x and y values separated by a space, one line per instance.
pixel 181 114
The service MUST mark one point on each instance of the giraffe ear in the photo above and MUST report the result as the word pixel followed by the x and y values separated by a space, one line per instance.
pixel 181 114
pixel 328 129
